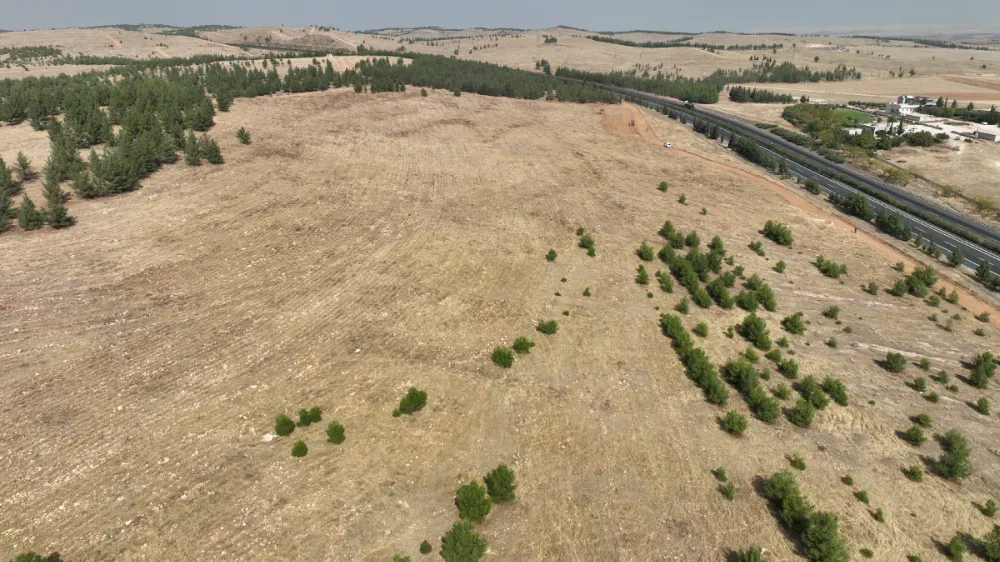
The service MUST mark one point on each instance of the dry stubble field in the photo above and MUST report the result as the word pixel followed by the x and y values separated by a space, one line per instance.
pixel 364 244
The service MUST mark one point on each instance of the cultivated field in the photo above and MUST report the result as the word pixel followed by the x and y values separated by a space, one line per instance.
pixel 365 244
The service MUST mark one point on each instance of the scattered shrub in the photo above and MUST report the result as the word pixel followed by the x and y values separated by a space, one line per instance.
pixel 682 306
pixel 899 289
pixel 990 545
pixel 400 558
pixel 914 436
pixel 919 384
pixel 414 401
pixel 682 199
pixel 802 414
pixel 866 552
pixel 500 484
pixel 704 211
pixel 751 355
pixel 645 252
pixel 924 363
pixel 734 423
pixel 752 554
pixel 586 291
pixel 899 266
pixel 310 416
pixel 956 549
pixel 720 474
pixel 425 548
pixel 979 332
pixel 789 368
pixel 757 247
pixel 983 317
pixel 848 480
pixel 954 463
pixel 914 473
pixel 754 330
pixel 983 368
pixel 778 233
pixel 472 502
pixel 548 327
pixel 642 276
pixel 692 240
pixel 832 313
pixel 782 342
pixel 243 136
pixel 587 242
pixel 922 419
pixel 894 362
pixel 299 449
pixel 283 425
pixel 462 544
pixel 797 462
pixel 335 432
pixel 862 496
pixel 523 345
pixel 831 342
pixel 982 406
pixel 503 356
pixel 794 324
pixel 872 288
pixel 728 491
pixel 830 269
pixel 701 329
pixel 780 266
pixel 990 508
pixel 848 330
pixel 933 397
pixel 747 300
pixel 782 391
pixel 662 186
pixel 552 255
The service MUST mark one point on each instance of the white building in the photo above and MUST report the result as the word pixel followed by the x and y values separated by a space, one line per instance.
pixel 908 105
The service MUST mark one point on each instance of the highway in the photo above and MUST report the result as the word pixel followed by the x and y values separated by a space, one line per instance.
pixel 795 156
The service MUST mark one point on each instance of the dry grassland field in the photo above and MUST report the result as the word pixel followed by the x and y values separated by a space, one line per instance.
pixel 364 244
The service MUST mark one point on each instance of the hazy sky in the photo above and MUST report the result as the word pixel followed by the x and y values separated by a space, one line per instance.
pixel 691 15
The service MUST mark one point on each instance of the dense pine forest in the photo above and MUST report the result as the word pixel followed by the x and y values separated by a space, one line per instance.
pixel 740 94
pixel 685 42
pixel 706 90
pixel 159 105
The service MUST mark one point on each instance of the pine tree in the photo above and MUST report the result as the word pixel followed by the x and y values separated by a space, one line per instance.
pixel 957 258
pixel 5 211
pixel 28 216
pixel 23 168
pixel 191 155
pixel 209 150
pixel 243 136
pixel 224 99
pixel 53 193
pixel 58 217
pixel 7 184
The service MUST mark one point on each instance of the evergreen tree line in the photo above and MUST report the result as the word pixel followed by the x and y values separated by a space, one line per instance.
pixel 436 71
pixel 926 42
pixel 28 54
pixel 685 42
pixel 768 70
pixel 742 95
pixel 969 113
pixel 706 90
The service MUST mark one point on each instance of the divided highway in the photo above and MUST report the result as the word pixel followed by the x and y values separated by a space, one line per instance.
pixel 808 165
